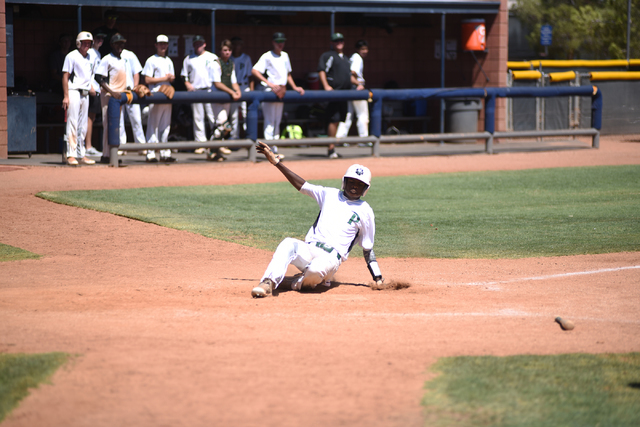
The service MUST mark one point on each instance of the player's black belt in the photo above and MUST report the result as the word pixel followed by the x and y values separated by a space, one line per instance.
pixel 83 92
pixel 328 249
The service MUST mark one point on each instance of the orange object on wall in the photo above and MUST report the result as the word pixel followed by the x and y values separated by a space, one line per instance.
pixel 474 34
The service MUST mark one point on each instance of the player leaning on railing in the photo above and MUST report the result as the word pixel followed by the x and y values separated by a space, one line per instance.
pixel 343 221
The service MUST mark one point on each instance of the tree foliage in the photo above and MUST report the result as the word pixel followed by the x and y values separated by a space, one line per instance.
pixel 582 29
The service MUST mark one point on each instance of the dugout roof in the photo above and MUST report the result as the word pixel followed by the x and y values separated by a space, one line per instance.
pixel 343 6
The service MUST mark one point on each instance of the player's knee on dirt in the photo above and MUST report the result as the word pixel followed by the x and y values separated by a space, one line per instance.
pixel 312 278
pixel 319 270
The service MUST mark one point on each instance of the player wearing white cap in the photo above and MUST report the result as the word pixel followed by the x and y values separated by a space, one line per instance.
pixel 158 71
pixel 343 221
pixel 77 74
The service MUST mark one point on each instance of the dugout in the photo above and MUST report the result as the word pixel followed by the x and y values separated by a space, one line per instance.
pixel 405 38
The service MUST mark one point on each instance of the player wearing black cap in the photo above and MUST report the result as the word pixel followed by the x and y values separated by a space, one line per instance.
pixel 334 70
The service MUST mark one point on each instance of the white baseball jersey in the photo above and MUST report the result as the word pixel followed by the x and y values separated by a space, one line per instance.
pixel 81 70
pixel 96 57
pixel 277 67
pixel 243 66
pixel 132 66
pixel 196 69
pixel 357 66
pixel 216 75
pixel 114 69
pixel 158 66
pixel 342 222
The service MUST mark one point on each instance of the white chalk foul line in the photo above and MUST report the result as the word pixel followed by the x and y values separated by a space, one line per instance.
pixel 552 276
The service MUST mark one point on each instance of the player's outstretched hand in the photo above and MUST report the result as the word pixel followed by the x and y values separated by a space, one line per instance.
pixel 264 149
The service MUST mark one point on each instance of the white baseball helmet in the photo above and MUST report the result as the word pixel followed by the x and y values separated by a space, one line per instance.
pixel 82 36
pixel 359 172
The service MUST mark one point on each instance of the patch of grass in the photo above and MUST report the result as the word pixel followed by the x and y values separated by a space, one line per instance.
pixel 559 390
pixel 20 372
pixel 11 253
pixel 512 214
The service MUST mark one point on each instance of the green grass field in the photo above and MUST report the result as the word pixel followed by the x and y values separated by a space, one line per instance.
pixel 512 214
pixel 11 253
pixel 20 372
pixel 559 390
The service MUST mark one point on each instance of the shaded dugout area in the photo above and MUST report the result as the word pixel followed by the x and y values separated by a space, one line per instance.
pixel 405 40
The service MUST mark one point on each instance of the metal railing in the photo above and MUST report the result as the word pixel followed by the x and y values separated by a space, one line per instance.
pixel 375 96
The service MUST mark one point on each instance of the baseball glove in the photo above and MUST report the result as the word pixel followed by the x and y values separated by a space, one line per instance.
pixel 168 90
pixel 142 91
pixel 280 91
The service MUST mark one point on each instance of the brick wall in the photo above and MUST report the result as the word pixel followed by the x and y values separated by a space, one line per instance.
pixel 4 144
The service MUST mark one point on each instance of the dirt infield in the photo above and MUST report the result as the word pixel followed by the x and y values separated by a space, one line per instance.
pixel 166 334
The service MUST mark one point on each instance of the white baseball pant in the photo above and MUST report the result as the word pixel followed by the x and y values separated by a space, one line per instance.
pixel 221 115
pixel 316 264
pixel 77 115
pixel 272 114
pixel 158 127
pixel 236 107
pixel 135 118
pixel 199 111
pixel 361 110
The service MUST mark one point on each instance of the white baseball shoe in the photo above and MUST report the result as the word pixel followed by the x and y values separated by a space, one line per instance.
pixel 91 151
pixel 264 289
pixel 296 285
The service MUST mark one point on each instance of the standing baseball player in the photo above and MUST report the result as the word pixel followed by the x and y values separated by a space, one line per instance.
pixel 277 67
pixel 243 66
pixel 334 70
pixel 223 75
pixel 158 71
pixel 358 107
pixel 133 69
pixel 112 76
pixel 94 100
pixel 343 221
pixel 196 72
pixel 77 75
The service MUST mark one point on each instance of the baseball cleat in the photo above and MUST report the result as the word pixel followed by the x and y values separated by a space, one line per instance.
pixel 263 289
pixel 87 161
pixel 296 285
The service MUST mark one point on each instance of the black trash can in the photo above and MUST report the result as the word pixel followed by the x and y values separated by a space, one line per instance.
pixel 461 116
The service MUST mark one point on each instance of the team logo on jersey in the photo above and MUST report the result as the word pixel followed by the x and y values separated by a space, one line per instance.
pixel 359 171
pixel 354 218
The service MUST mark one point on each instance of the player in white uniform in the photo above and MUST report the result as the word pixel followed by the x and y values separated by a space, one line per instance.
pixel 277 66
pixel 243 66
pixel 196 72
pixel 343 221
pixel 158 71
pixel 133 69
pixel 359 107
pixel 223 75
pixel 112 76
pixel 77 75
pixel 94 100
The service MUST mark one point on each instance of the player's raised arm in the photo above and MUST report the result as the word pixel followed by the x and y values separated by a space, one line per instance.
pixel 293 178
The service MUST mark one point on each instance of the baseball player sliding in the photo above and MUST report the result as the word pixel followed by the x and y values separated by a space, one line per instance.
pixel 344 220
